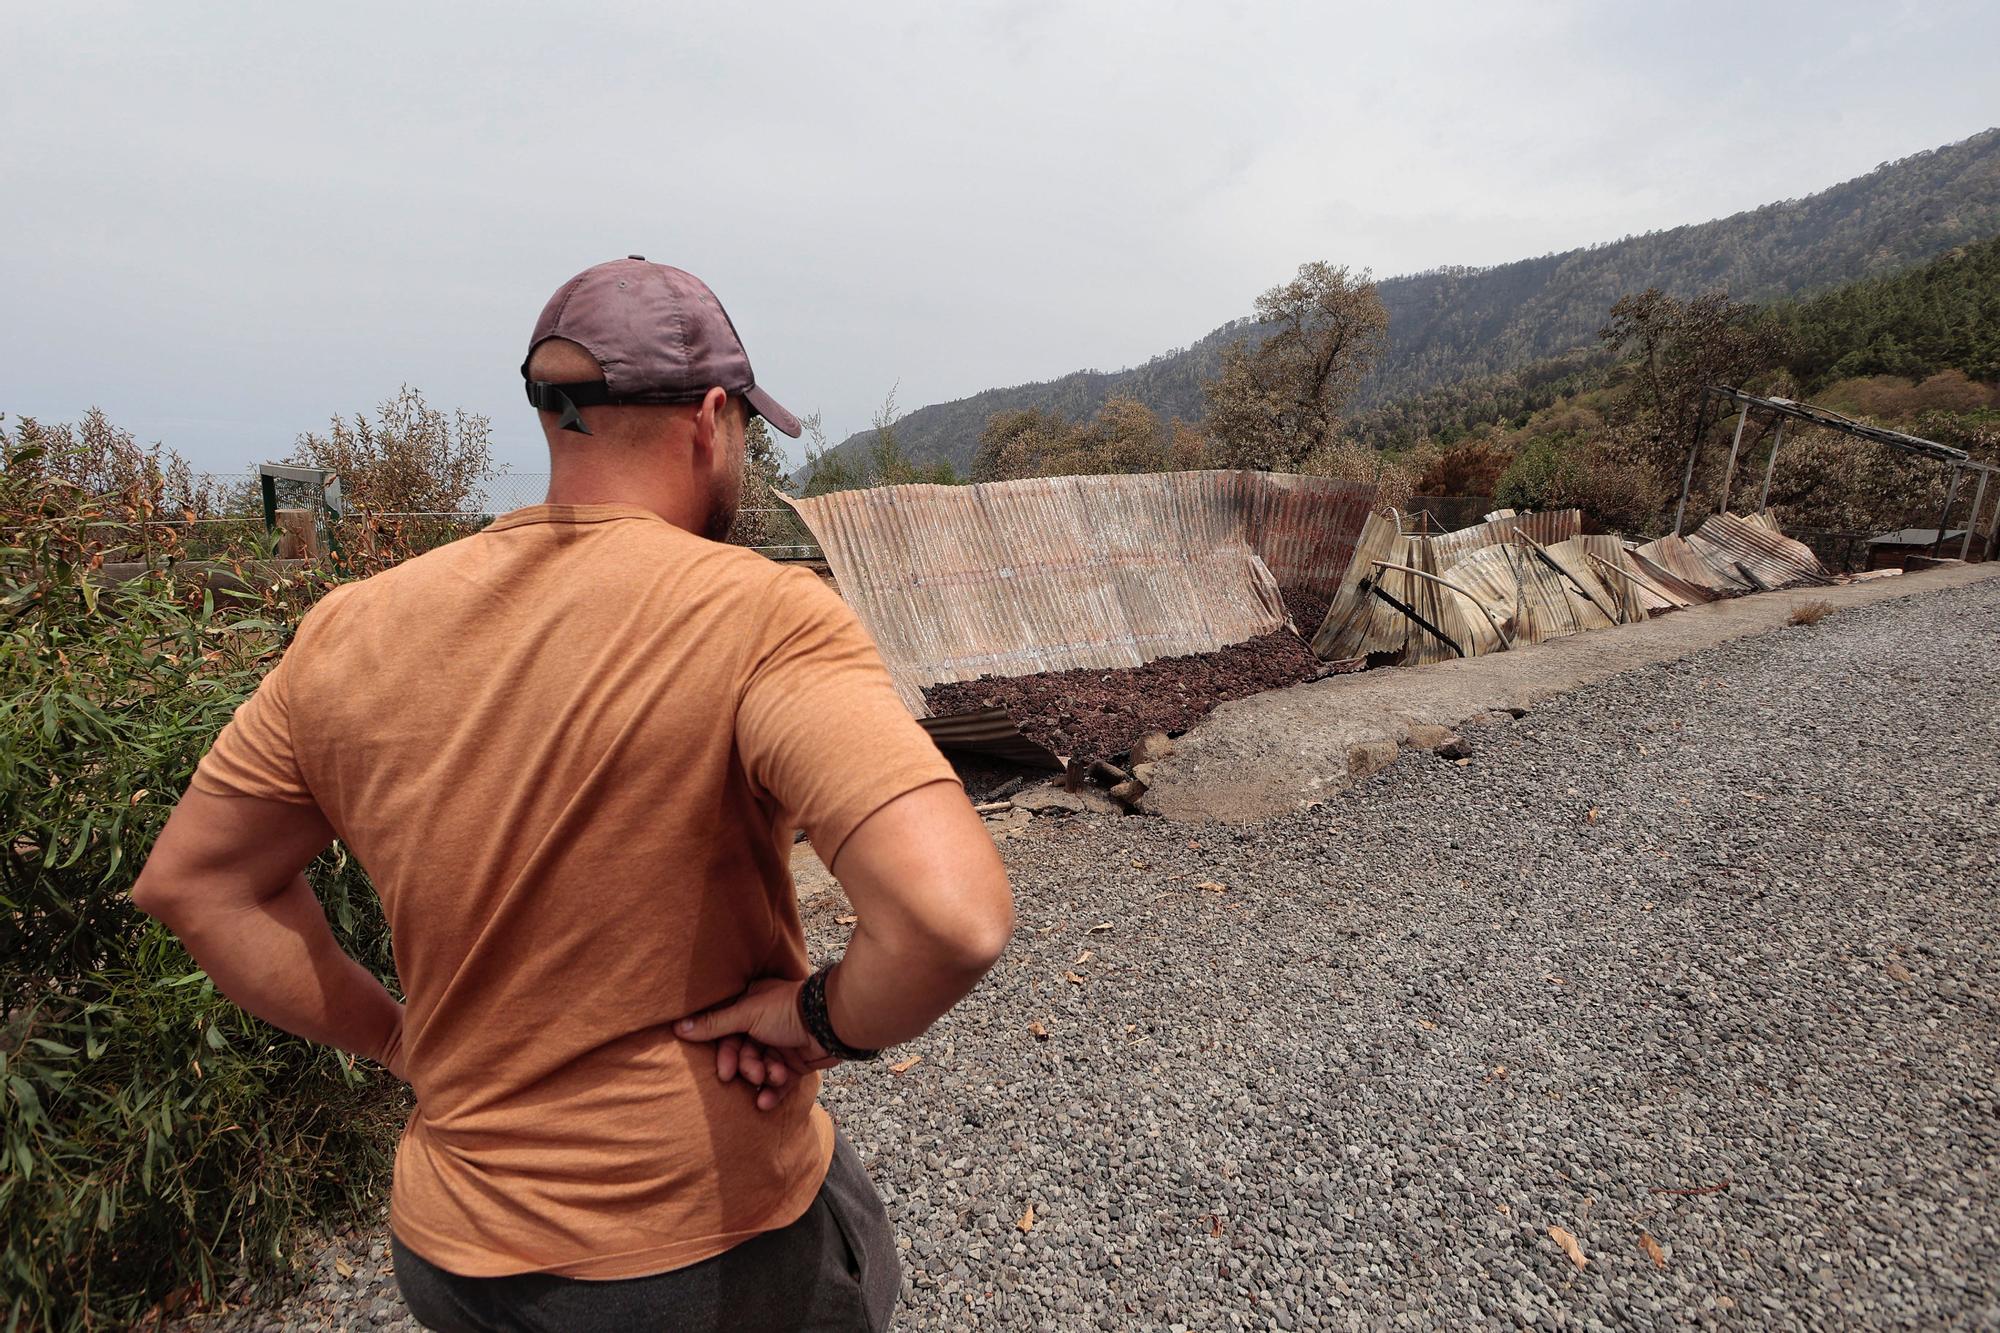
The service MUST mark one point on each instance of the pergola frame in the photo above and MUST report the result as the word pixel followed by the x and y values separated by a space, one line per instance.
pixel 1786 409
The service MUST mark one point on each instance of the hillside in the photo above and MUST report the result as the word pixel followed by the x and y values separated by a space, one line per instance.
pixel 1454 324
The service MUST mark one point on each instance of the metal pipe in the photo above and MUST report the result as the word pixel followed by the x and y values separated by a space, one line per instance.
pixel 1764 500
pixel 1629 577
pixel 1505 640
pixel 1687 474
pixel 1972 523
pixel 1374 586
pixel 1729 472
pixel 1950 494
pixel 1992 534
pixel 1556 565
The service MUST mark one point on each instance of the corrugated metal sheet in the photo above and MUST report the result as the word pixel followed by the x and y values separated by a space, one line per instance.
pixel 1604 555
pixel 1556 525
pixel 1359 624
pixel 1488 575
pixel 1547 606
pixel 1017 577
pixel 1591 600
pixel 1776 561
pixel 1670 585
pixel 1438 606
pixel 990 731
pixel 1682 561
pixel 1304 528
pixel 1487 563
pixel 1656 592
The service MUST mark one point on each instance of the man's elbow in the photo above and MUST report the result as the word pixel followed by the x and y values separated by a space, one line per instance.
pixel 152 895
pixel 162 894
pixel 975 938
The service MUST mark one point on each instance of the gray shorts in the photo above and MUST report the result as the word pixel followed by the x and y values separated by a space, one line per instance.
pixel 834 1268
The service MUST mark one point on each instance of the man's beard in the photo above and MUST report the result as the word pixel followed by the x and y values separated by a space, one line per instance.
pixel 723 499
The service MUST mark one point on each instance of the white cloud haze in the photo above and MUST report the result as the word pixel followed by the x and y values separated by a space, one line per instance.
pixel 225 223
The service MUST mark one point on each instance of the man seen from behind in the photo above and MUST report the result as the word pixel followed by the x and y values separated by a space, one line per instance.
pixel 571 752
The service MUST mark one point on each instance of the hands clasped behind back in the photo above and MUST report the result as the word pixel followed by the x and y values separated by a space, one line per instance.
pixel 934 913
pixel 760 1039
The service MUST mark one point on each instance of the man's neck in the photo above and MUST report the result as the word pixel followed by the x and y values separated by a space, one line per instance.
pixel 591 486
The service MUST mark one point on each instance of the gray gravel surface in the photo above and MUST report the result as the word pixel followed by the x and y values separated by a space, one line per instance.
pixel 1702 954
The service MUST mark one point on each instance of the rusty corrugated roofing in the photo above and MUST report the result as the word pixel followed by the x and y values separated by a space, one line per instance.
pixel 1304 528
pixel 1670 586
pixel 1359 624
pixel 1556 525
pixel 1682 561
pixel 1772 559
pixel 1495 565
pixel 1017 577
pixel 990 731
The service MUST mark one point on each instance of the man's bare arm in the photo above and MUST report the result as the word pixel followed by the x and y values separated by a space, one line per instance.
pixel 933 914
pixel 226 876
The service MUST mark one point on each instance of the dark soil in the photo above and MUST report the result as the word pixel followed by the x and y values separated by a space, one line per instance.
pixel 1307 609
pixel 989 779
pixel 1090 713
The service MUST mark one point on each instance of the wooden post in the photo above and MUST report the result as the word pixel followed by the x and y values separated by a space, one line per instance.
pixel 1687 475
pixel 1729 472
pixel 1764 500
pixel 1972 523
pixel 298 537
pixel 1950 494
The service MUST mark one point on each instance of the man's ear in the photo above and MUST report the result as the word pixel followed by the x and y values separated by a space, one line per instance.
pixel 708 420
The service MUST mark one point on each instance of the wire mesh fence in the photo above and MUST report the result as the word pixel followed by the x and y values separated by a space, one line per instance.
pixel 773 530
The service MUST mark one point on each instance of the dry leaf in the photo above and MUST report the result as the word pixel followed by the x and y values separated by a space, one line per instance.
pixel 1651 1249
pixel 1210 886
pixel 1504 1210
pixel 1141 865
pixel 342 1267
pixel 1594 813
pixel 1427 1025
pixel 1569 1246
pixel 1552 978
pixel 1499 1071
pixel 138 796
pixel 1083 958
pixel 845 920
pixel 1039 1032
pixel 904 1066
pixel 1461 762
pixel 1102 925
pixel 1214 1226
pixel 1897 972
pixel 1027 1222
pixel 1073 978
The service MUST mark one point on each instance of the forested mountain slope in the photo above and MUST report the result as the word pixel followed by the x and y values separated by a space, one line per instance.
pixel 1455 324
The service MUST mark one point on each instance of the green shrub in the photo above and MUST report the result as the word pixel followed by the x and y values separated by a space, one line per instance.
pixel 1552 472
pixel 158 1143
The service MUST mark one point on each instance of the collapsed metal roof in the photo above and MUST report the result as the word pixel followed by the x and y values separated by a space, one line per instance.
pixel 1765 557
pixel 1414 598
pixel 1017 577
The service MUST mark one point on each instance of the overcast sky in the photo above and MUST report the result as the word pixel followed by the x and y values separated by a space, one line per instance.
pixel 224 223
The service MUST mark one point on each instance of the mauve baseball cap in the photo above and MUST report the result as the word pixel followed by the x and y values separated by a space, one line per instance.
pixel 660 335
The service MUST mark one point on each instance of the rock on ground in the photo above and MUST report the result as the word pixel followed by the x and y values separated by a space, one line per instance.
pixel 1700 958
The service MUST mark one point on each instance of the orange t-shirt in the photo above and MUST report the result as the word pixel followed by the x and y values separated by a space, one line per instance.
pixel 571 752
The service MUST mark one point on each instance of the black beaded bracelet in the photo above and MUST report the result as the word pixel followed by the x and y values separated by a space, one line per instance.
pixel 812 1012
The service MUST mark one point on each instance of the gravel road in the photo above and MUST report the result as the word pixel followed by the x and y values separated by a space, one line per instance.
pixel 1698 958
